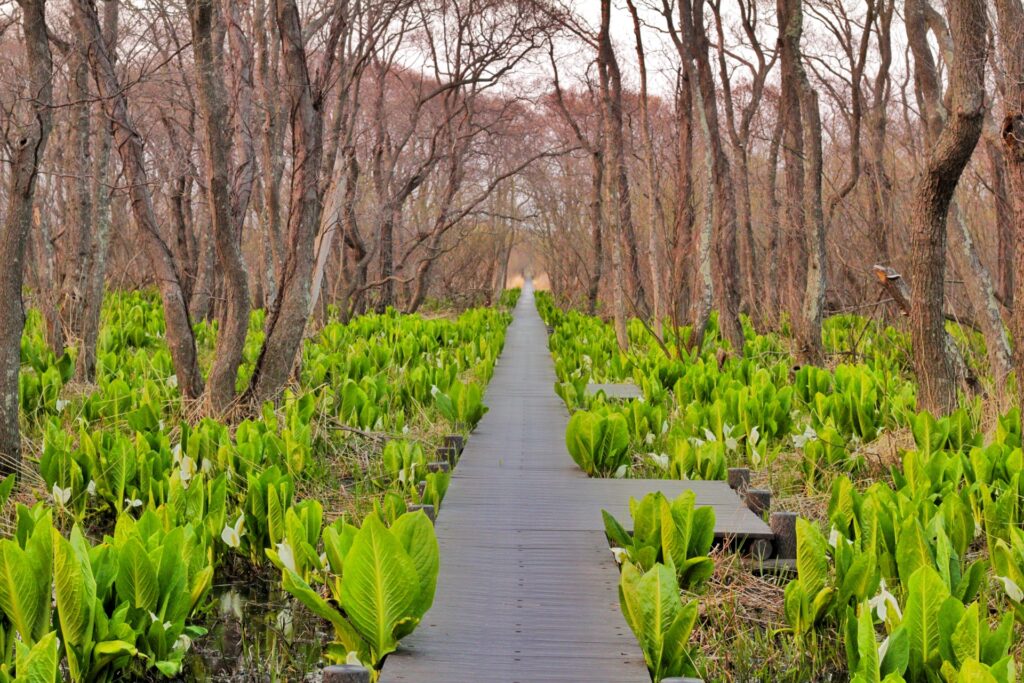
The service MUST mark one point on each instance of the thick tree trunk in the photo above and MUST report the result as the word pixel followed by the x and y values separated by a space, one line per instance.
pixel 27 141
pixel 1010 18
pixel 934 192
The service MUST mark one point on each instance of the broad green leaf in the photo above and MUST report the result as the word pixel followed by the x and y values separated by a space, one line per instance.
pixel 925 594
pixel 379 589
pixel 20 588
pixel 811 560
pixel 38 664
pixel 416 534
pixel 136 576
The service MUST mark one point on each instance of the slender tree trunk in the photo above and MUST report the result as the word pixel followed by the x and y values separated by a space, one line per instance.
pixel 95 276
pixel 597 229
pixel 934 192
pixel 654 211
pixel 27 141
pixel 617 180
pixel 226 210
pixel 180 339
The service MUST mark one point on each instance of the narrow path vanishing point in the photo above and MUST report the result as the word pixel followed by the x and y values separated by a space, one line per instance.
pixel 523 596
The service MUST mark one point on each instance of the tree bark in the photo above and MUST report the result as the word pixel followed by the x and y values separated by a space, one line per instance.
pixel 934 192
pixel 27 140
pixel 286 321
pixel 180 338
pixel 227 204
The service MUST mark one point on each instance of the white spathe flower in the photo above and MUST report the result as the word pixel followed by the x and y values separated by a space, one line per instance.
pixel 883 648
pixel 755 436
pixel 755 456
pixel 709 435
pixel 91 488
pixel 232 535
pixel 833 537
pixel 649 439
pixel 183 643
pixel 664 426
pixel 731 443
pixel 659 459
pixel 172 381
pixel 620 555
pixel 727 429
pixel 60 405
pixel 884 601
pixel 434 391
pixel 1013 591
pixel 133 503
pixel 285 554
pixel 61 496
pixel 207 466
pixel 176 453
pixel 799 440
pixel 187 470
pixel 620 473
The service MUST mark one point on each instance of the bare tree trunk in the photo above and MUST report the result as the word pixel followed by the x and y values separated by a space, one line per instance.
pixel 27 140
pixel 726 266
pixel 96 271
pixel 286 322
pixel 1010 17
pixel 654 211
pixel 682 232
pixel 80 234
pixel 227 208
pixel 618 181
pixel 808 324
pixel 934 192
pixel 180 339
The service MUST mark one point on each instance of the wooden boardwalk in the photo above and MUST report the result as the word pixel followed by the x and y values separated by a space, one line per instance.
pixel 528 589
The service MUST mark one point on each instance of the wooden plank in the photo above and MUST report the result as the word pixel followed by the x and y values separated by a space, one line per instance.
pixel 528 588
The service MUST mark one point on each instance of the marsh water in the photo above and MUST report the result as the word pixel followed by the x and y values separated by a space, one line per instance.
pixel 256 633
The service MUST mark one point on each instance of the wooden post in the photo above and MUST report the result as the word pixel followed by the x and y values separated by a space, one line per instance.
pixel 456 441
pixel 739 478
pixel 428 510
pixel 346 673
pixel 448 454
pixel 421 487
pixel 438 467
pixel 758 501
pixel 783 525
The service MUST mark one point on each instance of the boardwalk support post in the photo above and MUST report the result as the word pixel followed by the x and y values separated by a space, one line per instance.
pixel 421 488
pixel 346 673
pixel 448 454
pixel 758 501
pixel 428 510
pixel 739 478
pixel 438 467
pixel 456 441
pixel 783 525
